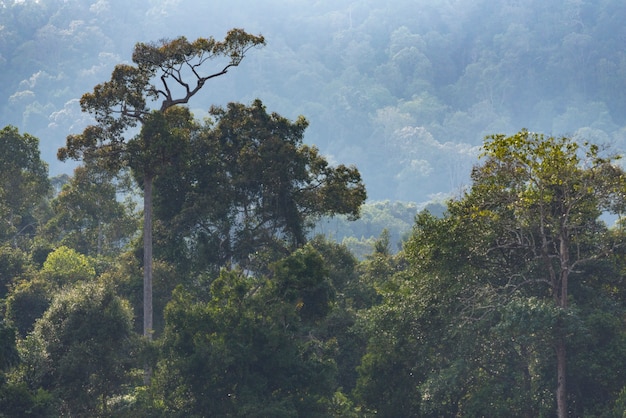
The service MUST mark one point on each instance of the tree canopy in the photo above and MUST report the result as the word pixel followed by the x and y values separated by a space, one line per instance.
pixel 23 187
pixel 168 72
pixel 505 303
pixel 271 187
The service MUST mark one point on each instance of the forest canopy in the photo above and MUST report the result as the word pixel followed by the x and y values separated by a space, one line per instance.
pixel 510 301
pixel 484 278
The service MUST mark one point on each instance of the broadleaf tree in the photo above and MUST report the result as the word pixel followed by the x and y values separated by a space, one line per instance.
pixel 86 348
pixel 23 184
pixel 253 349
pixel 88 216
pixel 514 248
pixel 556 189
pixel 272 188
pixel 164 75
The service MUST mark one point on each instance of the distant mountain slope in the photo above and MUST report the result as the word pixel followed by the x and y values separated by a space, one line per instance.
pixel 405 89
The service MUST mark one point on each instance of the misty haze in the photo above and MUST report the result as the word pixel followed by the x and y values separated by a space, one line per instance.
pixel 406 91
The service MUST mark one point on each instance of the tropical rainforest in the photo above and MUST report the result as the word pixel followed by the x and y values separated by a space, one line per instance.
pixel 312 209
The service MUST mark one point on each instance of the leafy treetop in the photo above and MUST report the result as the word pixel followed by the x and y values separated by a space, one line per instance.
pixel 162 72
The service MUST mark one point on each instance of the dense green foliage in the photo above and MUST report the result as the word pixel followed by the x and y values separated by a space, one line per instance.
pixel 24 185
pixel 507 300
pixel 504 291
pixel 272 189
pixel 82 349
pixel 469 318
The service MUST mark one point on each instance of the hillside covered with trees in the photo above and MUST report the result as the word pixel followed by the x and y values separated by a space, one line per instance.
pixel 185 228
pixel 405 90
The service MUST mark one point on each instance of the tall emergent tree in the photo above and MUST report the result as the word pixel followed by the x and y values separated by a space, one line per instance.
pixel 169 73
pixel 549 193
pixel 514 246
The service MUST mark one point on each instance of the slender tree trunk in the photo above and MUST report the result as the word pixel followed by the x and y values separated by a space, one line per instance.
pixel 527 409
pixel 147 268
pixel 561 352
pixel 561 387
pixel 147 257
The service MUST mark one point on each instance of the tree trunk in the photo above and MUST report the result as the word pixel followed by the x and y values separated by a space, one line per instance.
pixel 527 409
pixel 561 352
pixel 561 387
pixel 147 268
pixel 147 257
